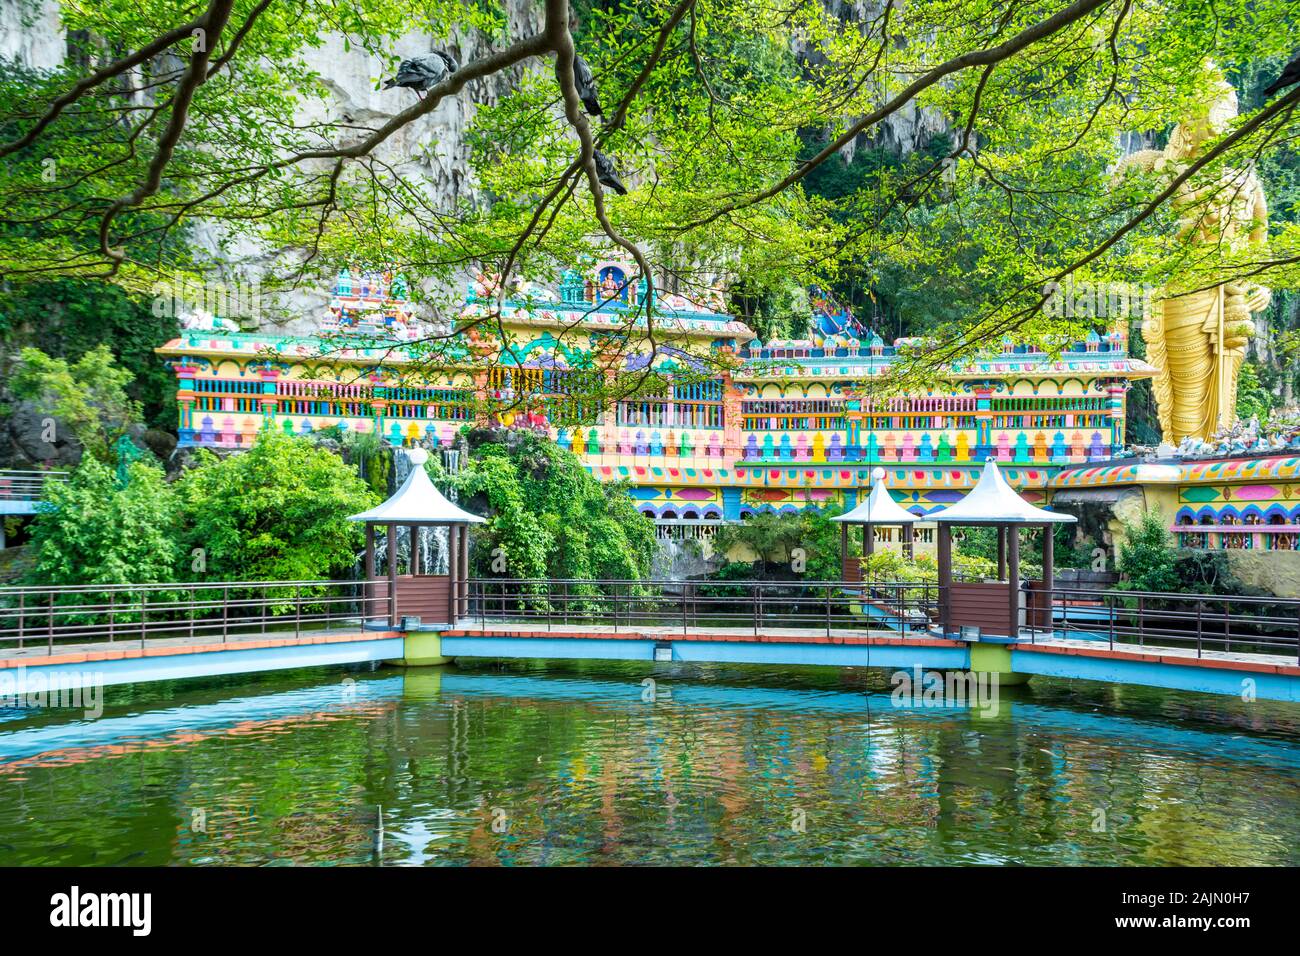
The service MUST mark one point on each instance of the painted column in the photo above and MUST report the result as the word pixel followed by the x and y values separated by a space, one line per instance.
pixel 269 402
pixel 731 503
pixel 1116 389
pixel 853 411
pixel 983 421
pixel 731 422
pixel 379 407
pixel 185 398
pixel 481 398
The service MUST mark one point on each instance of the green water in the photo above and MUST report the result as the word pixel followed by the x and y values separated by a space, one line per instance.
pixel 572 764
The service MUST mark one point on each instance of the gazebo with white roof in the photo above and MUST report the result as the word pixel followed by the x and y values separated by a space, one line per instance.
pixel 878 508
pixel 992 606
pixel 436 599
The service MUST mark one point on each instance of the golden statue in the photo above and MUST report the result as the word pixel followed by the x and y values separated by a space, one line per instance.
pixel 1198 340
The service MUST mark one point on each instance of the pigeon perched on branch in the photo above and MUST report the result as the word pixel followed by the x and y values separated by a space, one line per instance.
pixel 1290 75
pixel 586 85
pixel 423 72
pixel 606 174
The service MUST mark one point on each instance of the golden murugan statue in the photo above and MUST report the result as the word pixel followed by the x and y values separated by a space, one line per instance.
pixel 1198 340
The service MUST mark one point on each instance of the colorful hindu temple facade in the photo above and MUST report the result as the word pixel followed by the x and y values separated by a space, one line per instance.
pixel 781 426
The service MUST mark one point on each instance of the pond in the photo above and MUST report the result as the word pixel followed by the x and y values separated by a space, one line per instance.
pixel 563 763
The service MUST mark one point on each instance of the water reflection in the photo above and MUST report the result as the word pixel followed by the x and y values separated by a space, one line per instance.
pixel 575 764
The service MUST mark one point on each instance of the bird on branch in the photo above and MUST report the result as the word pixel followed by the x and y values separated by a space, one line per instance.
pixel 606 174
pixel 424 72
pixel 1290 75
pixel 586 86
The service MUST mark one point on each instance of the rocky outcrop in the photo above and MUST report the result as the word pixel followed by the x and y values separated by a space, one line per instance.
pixel 30 33
pixel 23 444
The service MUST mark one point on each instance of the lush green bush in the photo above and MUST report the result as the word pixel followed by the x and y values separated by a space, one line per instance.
pixel 1146 558
pixel 67 318
pixel 95 532
pixel 775 536
pixel 88 396
pixel 277 512
pixel 548 516
pixel 887 567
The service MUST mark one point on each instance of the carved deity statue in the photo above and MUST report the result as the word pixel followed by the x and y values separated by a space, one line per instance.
pixel 1198 340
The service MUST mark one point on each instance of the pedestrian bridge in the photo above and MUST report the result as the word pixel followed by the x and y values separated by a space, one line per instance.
pixel 21 492
pixel 138 633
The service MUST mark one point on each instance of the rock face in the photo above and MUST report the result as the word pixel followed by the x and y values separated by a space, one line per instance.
pixel 23 440
pixel 30 33
pixel 432 151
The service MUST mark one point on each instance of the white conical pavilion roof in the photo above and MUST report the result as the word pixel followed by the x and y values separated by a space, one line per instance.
pixel 992 501
pixel 879 508
pixel 417 501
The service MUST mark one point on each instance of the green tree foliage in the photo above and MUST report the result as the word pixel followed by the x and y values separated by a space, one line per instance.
pixel 1253 399
pixel 888 565
pixel 1146 559
pixel 95 532
pixel 68 318
pixel 277 512
pixel 732 117
pixel 774 536
pixel 547 515
pixel 88 396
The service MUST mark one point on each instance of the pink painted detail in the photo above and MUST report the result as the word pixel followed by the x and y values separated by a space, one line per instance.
pixel 1256 493
pixel 695 494
pixel 909 449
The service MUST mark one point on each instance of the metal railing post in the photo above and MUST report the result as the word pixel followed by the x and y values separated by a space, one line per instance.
pixel 1111 615
pixel 22 618
pixel 50 626
pixel 144 612
pixel 1227 629
pixel 1141 621
pixel 1199 606
pixel 225 614
pixel 297 612
pixel 685 594
pixel 828 609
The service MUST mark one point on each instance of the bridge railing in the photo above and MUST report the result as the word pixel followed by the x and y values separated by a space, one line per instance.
pixel 692 605
pixel 56 617
pixel 26 485
pixel 1228 623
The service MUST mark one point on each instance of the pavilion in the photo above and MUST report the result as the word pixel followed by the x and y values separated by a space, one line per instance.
pixel 419 598
pixel 879 508
pixel 994 606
